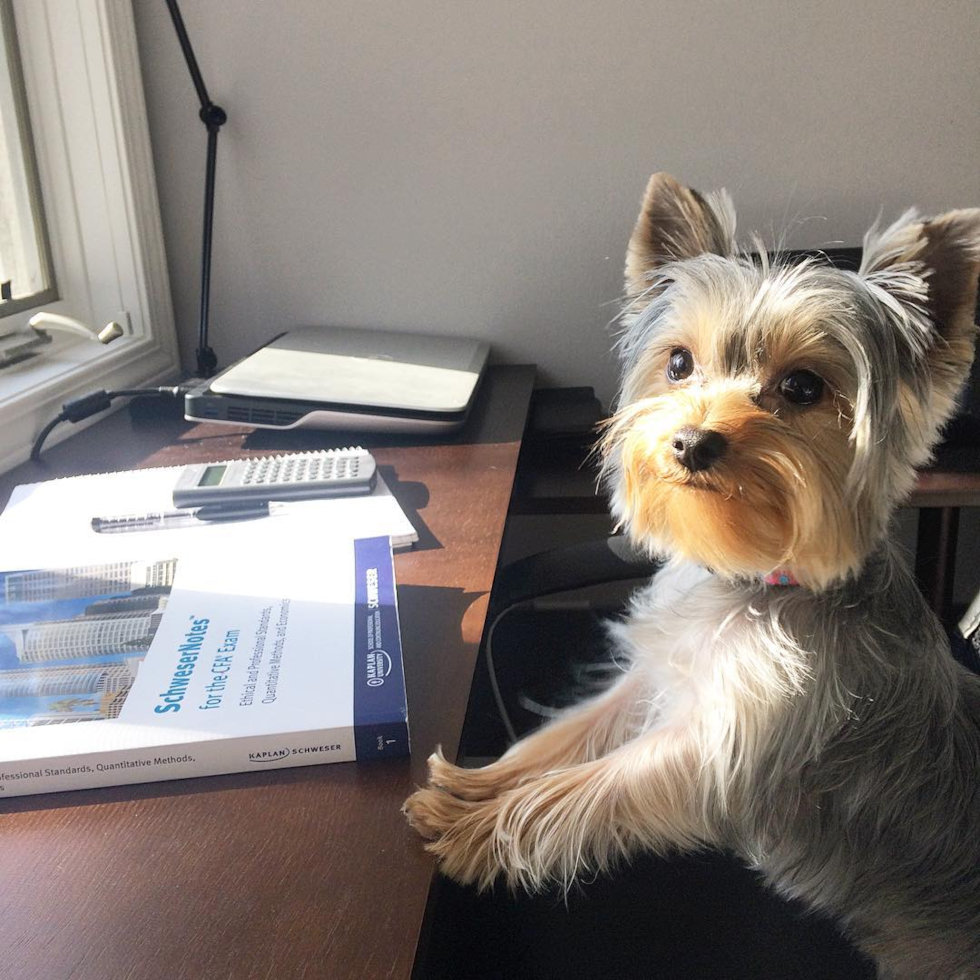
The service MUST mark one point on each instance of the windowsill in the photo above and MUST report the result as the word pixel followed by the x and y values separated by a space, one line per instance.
pixel 53 363
pixel 32 391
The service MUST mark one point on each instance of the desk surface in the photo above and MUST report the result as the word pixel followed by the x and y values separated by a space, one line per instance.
pixel 306 872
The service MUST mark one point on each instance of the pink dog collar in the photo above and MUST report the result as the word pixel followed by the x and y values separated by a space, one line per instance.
pixel 780 577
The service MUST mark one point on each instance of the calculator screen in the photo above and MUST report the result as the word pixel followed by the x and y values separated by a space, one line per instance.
pixel 211 476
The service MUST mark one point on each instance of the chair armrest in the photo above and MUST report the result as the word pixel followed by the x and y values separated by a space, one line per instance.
pixel 571 567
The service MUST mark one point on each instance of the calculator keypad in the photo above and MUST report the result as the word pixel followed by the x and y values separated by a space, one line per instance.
pixel 300 469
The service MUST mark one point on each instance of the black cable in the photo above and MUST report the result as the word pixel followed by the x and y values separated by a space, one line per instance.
pixel 84 407
pixel 43 434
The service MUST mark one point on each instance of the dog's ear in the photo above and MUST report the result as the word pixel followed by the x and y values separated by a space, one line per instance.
pixel 675 223
pixel 943 253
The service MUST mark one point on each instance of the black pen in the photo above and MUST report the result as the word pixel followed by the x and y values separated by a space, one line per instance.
pixel 162 520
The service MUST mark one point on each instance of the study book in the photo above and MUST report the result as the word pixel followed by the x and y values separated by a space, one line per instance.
pixel 278 648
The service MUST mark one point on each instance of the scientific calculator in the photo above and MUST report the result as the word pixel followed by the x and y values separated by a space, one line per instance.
pixel 296 476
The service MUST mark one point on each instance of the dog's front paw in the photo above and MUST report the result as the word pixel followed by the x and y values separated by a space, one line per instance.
pixel 467 784
pixel 461 834
pixel 483 783
pixel 432 812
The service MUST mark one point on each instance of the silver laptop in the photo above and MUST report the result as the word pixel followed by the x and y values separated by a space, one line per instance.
pixel 341 378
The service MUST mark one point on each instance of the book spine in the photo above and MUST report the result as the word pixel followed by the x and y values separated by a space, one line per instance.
pixel 212 757
pixel 380 712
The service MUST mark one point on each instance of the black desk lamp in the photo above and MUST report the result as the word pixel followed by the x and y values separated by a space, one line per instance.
pixel 213 117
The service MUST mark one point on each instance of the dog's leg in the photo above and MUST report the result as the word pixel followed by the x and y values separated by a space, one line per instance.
pixel 586 731
pixel 648 793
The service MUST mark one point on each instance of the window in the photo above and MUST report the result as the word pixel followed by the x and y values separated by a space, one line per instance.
pixel 26 277
pixel 75 157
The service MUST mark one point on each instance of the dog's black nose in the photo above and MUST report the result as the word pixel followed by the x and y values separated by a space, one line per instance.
pixel 698 449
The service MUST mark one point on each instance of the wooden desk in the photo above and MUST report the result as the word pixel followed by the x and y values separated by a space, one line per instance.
pixel 952 482
pixel 294 873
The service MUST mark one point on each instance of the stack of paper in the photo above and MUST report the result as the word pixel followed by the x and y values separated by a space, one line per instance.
pixel 44 522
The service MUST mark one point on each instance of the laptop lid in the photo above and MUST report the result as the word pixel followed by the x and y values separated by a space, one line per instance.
pixel 370 368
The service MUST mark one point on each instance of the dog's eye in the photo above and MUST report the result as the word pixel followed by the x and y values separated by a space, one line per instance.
pixel 801 388
pixel 680 364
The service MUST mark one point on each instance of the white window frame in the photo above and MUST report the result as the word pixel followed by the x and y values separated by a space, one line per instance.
pixel 88 117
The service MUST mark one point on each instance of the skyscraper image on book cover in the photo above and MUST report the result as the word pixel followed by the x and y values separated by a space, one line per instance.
pixel 72 640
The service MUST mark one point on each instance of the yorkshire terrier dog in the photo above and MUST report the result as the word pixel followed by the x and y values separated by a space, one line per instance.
pixel 786 693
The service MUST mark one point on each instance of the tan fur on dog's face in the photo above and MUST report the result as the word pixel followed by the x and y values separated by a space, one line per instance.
pixel 777 497
pixel 804 487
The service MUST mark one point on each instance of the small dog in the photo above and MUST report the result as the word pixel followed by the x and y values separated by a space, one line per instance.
pixel 788 695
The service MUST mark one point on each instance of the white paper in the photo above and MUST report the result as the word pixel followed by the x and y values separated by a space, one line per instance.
pixel 50 524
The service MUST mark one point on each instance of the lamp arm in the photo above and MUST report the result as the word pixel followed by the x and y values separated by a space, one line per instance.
pixel 213 117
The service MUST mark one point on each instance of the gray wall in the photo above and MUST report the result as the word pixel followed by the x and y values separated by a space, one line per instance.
pixel 475 168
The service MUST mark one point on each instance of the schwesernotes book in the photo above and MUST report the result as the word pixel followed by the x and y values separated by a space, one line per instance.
pixel 257 654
